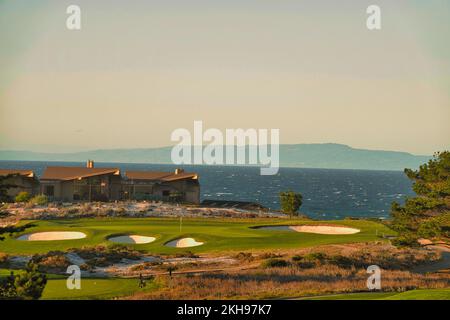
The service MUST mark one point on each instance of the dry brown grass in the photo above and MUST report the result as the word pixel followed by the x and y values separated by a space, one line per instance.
pixel 285 282
pixel 336 269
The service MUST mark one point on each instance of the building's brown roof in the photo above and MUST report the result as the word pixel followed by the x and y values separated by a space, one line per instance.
pixel 159 176
pixel 181 176
pixel 24 173
pixel 72 173
pixel 146 175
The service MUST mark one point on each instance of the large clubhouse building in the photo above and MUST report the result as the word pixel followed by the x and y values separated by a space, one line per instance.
pixel 88 183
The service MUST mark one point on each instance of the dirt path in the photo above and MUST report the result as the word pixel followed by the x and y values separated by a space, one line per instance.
pixel 442 265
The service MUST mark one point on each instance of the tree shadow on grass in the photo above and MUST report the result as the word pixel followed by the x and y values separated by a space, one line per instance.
pixel 14 229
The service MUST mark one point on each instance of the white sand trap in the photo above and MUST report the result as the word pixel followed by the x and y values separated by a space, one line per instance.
pixel 325 229
pixel 183 243
pixel 134 238
pixel 316 229
pixel 52 236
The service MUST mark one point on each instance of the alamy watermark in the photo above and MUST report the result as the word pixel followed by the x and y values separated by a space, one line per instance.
pixel 374 20
pixel 374 280
pixel 234 147
pixel 74 280
pixel 73 21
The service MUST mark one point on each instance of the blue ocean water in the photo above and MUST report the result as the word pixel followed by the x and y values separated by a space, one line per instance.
pixel 327 193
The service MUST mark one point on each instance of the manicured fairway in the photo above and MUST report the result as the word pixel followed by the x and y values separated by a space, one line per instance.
pixel 93 289
pixel 217 234
pixel 353 296
pixel 437 294
pixel 432 294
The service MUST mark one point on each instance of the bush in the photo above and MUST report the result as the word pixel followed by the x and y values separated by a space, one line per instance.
pixel 102 256
pixel 316 256
pixel 297 258
pixel 146 265
pixel 430 229
pixel 342 261
pixel 269 255
pixel 24 286
pixel 305 264
pixel 275 263
pixel 406 240
pixel 40 200
pixel 310 260
pixel 22 197
pixel 244 256
pixel 187 254
pixel 52 261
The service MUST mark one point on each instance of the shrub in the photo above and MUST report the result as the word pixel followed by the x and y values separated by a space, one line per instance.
pixel 342 261
pixel 305 264
pixel 22 197
pixel 102 256
pixel 275 263
pixel 309 260
pixel 146 265
pixel 297 258
pixel 244 256
pixel 315 256
pixel 186 254
pixel 24 286
pixel 406 240
pixel 53 260
pixel 430 229
pixel 269 255
pixel 40 200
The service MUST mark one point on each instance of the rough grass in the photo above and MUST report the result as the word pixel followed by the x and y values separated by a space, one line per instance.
pixel 282 274
pixel 285 283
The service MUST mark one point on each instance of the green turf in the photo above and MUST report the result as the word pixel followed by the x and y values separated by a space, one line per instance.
pixel 93 289
pixel 218 234
pixel 353 296
pixel 431 294
pixel 4 273
pixel 435 294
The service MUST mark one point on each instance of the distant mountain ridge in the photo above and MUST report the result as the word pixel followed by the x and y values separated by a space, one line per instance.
pixel 326 156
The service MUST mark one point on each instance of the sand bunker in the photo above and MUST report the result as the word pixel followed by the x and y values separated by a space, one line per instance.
pixel 134 238
pixel 52 236
pixel 183 243
pixel 315 229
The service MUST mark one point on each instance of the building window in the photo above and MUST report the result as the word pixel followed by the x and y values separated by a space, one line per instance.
pixel 49 191
pixel 166 193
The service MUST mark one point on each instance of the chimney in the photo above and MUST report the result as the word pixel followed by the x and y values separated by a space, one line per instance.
pixel 178 171
pixel 90 164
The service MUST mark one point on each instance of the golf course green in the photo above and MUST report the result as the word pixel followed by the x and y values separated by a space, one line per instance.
pixel 218 235
pixel 420 294
pixel 93 288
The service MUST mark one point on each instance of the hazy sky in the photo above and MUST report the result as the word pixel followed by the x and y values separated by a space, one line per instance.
pixel 140 69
